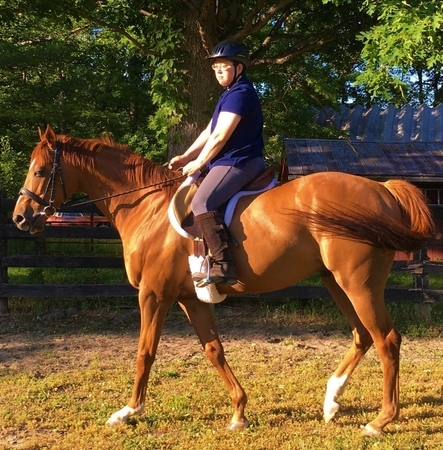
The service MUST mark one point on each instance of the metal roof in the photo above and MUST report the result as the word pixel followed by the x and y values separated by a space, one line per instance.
pixel 415 161
pixel 391 124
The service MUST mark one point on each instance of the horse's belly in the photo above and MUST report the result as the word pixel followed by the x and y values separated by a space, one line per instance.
pixel 268 268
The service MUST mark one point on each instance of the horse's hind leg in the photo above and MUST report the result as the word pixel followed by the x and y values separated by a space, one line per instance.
pixel 365 289
pixel 361 343
pixel 201 318
pixel 387 340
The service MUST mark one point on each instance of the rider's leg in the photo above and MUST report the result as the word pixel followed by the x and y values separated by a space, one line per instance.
pixel 214 232
pixel 219 185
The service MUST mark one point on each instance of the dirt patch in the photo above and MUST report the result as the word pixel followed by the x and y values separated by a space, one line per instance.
pixel 77 338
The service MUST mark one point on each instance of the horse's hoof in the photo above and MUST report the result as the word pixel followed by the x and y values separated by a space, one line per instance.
pixel 329 411
pixel 233 426
pixel 115 420
pixel 121 416
pixel 370 431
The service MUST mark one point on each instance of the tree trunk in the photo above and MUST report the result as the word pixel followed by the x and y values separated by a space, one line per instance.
pixel 202 88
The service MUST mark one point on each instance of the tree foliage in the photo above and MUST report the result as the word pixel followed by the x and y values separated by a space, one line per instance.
pixel 401 51
pixel 137 70
pixel 12 168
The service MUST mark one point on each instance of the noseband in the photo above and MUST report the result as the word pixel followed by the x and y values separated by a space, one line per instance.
pixel 49 209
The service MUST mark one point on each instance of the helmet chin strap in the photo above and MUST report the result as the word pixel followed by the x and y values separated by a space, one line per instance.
pixel 236 77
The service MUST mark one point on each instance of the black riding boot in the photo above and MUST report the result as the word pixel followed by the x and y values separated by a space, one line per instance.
pixel 222 269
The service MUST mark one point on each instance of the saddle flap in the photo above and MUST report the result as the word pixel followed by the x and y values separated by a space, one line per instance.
pixel 182 201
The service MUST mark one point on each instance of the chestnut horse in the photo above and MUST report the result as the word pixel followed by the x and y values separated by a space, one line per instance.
pixel 341 226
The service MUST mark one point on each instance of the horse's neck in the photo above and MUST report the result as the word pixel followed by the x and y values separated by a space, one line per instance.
pixel 123 189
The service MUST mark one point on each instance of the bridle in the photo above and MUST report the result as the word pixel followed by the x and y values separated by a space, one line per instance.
pixel 49 209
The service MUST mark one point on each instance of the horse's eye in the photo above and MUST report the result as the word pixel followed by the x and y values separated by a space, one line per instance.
pixel 40 173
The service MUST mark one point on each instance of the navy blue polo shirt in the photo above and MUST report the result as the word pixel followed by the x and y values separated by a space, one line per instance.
pixel 247 139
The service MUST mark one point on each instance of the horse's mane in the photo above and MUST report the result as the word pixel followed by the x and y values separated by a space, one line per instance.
pixel 140 171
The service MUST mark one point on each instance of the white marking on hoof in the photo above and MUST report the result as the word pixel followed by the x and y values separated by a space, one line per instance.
pixel 238 425
pixel 329 410
pixel 370 431
pixel 122 416
pixel 334 388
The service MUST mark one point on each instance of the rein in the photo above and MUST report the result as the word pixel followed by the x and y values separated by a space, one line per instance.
pixel 49 209
pixel 125 192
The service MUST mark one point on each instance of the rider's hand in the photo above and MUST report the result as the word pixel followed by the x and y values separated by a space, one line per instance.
pixel 177 162
pixel 191 168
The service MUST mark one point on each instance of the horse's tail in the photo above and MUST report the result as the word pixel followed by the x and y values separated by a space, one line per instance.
pixel 355 222
pixel 416 213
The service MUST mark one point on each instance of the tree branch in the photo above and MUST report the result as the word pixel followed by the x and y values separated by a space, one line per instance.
pixel 205 17
pixel 120 31
pixel 303 44
pixel 267 41
pixel 36 41
pixel 288 56
pixel 253 24
pixel 143 12
pixel 192 6
pixel 78 29
pixel 252 16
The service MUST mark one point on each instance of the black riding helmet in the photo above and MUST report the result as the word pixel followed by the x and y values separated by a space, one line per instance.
pixel 232 50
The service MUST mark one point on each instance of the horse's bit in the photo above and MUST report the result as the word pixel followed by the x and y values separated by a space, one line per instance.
pixel 49 209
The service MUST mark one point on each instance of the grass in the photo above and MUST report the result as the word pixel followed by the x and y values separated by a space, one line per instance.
pixel 66 247
pixel 113 248
pixel 78 371
pixel 395 280
pixel 60 381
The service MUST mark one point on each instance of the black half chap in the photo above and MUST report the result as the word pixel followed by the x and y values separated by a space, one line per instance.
pixel 222 183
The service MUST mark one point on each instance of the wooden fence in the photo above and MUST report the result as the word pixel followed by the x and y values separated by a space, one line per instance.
pixel 419 267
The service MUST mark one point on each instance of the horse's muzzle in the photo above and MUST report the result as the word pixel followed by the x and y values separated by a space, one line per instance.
pixel 34 225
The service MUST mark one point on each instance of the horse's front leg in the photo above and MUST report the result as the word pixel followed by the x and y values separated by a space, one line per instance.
pixel 201 318
pixel 153 315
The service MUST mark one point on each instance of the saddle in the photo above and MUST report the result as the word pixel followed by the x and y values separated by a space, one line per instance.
pixel 180 212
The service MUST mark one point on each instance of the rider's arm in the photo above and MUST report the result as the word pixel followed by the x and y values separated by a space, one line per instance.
pixel 226 124
pixel 193 151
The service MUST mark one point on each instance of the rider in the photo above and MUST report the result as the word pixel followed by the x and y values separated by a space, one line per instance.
pixel 231 147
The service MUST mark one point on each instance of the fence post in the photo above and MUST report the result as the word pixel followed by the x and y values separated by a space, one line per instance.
pixel 3 251
pixel 421 280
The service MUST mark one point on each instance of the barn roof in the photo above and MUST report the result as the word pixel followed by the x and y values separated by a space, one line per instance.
pixel 414 161
pixel 406 124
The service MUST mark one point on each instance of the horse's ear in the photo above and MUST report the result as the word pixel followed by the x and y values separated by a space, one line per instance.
pixel 49 136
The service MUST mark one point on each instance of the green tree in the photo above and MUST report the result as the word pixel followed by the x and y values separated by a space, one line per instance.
pixel 83 80
pixel 402 51
pixel 138 69
pixel 76 60
pixel 12 166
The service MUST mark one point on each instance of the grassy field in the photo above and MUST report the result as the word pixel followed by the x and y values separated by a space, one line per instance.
pixel 113 248
pixel 63 375
pixel 61 380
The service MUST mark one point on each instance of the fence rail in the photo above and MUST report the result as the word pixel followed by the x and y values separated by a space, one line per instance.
pixel 419 268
